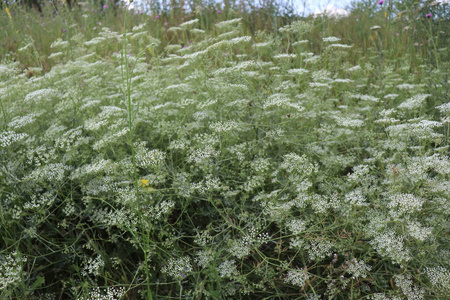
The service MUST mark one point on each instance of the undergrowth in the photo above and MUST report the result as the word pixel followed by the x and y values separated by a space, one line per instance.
pixel 211 160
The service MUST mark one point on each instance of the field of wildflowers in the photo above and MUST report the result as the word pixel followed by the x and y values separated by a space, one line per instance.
pixel 216 155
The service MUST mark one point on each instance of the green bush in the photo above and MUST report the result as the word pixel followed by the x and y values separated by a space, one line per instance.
pixel 204 159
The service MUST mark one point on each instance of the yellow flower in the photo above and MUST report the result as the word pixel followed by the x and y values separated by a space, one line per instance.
pixel 145 184
pixel 9 13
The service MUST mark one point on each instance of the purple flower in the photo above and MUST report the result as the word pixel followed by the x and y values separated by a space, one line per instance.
pixel 380 2
pixel 157 17
pixel 64 30
pixel 105 6
pixel 219 11
pixel 428 16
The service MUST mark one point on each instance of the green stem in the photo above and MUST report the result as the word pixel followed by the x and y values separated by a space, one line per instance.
pixel 127 78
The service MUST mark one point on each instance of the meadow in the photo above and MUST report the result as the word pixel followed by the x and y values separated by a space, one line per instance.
pixel 224 153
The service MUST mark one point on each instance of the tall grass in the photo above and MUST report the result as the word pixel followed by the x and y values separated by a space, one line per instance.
pixel 211 155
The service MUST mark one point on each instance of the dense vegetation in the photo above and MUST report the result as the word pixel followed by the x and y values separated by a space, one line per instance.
pixel 224 153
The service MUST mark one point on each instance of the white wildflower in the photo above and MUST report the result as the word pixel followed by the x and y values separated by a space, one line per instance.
pixel 55 55
pixel 319 85
pixel 189 23
pixel 406 86
pixel 318 250
pixel 348 122
pixel 203 239
pixel 418 232
pixel 421 130
pixel 301 27
pixel 93 266
pixel 200 155
pixel 228 269
pixel 51 173
pixel 278 99
pixel 444 108
pixel 439 278
pixel 95 41
pixel 228 35
pixel 358 269
pixel 227 23
pixel 262 45
pixel 293 163
pixel 182 87
pixel 390 245
pixel 354 68
pixel 345 80
pixel 356 197
pixel 300 42
pixel 390 96
pixel 239 249
pixel 109 35
pixel 195 55
pixel 319 203
pixel 297 71
pixel 365 97
pixel 178 268
pixel 381 296
pixel 59 44
pixel 297 277
pixel 149 158
pixel 197 31
pixel 411 291
pixel 285 56
pixel 160 210
pixel 204 258
pixel 240 40
pixel 170 48
pixel 9 137
pixel 11 270
pixel 296 226
pixel 43 94
pixel 174 29
pixel 110 293
pixel 414 102
pixel 331 39
pixel 401 204
pixel 312 60
pixel 342 46
pixel 225 126
pixel 98 166
pixel 109 138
